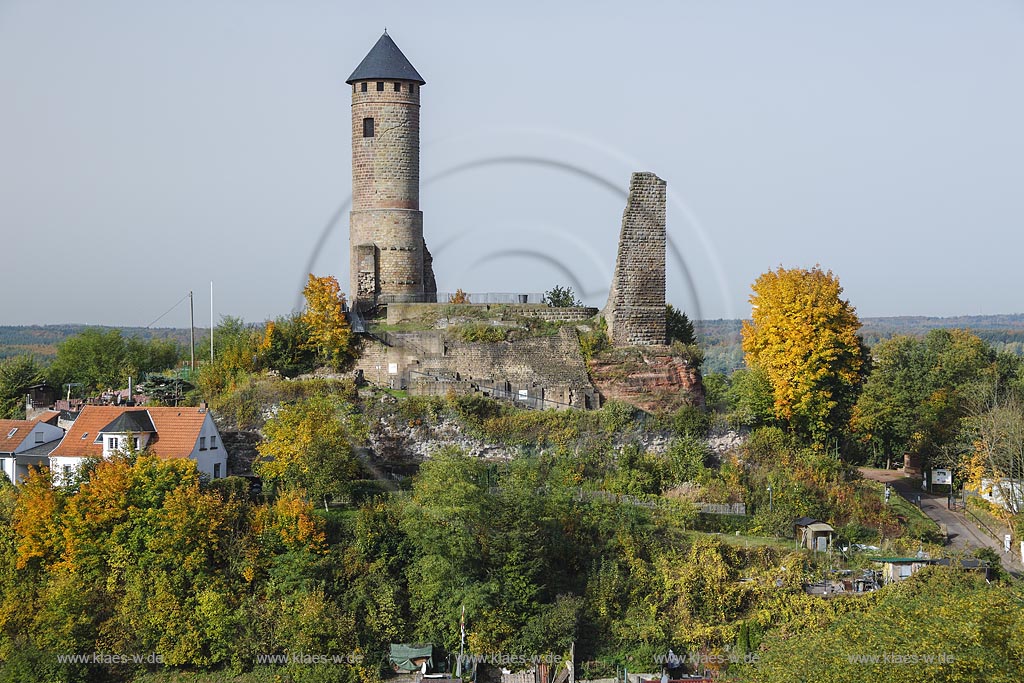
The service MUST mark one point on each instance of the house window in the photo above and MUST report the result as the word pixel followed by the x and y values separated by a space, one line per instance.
pixel 112 443
pixel 363 87
pixel 67 470
pixel 136 443
pixel 216 470
pixel 39 437
pixel 202 443
pixel 213 443
pixel 380 86
pixel 368 127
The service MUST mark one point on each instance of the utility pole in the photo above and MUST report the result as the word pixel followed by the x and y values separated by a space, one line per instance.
pixel 192 332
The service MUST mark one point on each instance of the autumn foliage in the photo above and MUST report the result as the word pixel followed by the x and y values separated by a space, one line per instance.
pixel 803 335
pixel 328 330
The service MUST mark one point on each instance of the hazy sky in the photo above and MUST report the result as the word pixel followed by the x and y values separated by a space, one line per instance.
pixel 147 148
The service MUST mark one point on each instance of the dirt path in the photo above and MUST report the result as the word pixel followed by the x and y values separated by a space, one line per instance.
pixel 964 534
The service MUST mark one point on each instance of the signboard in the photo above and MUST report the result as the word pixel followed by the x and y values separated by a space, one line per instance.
pixel 942 477
pixel 392 368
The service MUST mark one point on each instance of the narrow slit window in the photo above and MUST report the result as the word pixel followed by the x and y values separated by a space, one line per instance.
pixel 368 127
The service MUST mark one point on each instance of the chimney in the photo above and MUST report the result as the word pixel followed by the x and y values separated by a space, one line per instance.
pixel 203 407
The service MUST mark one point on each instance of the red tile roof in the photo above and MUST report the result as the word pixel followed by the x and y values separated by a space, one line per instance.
pixel 8 444
pixel 24 428
pixel 177 430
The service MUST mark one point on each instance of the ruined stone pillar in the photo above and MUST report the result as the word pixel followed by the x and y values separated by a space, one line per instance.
pixel 635 312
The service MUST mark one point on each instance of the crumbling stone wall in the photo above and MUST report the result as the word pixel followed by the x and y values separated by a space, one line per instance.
pixel 552 366
pixel 635 311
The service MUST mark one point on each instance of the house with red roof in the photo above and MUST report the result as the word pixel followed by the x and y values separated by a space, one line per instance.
pixel 27 443
pixel 100 431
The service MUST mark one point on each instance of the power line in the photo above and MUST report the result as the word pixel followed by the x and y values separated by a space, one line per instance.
pixel 168 310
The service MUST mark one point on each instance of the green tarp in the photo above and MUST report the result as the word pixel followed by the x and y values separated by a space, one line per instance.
pixel 409 658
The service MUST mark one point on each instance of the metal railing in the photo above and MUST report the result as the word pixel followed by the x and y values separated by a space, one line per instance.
pixel 471 298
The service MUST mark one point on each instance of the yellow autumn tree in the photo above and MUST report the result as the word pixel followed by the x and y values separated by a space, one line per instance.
pixel 307 446
pixel 803 336
pixel 324 317
pixel 459 297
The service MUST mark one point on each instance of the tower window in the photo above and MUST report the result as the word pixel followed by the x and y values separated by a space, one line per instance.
pixel 410 87
pixel 353 87
pixel 380 86
pixel 368 128
pixel 363 84
pixel 398 87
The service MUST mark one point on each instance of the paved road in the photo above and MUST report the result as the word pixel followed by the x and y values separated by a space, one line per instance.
pixel 964 534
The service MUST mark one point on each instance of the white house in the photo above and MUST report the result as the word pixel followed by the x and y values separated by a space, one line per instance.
pixel 1006 493
pixel 164 432
pixel 27 443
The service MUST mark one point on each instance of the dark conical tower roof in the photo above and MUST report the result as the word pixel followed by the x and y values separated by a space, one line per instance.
pixel 385 60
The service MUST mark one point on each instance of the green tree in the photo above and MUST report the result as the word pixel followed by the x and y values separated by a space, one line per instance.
pixel 561 297
pixel 284 347
pixel 804 337
pixel 99 359
pixel 751 398
pixel 16 376
pixel 308 445
pixel 678 327
pixel 920 389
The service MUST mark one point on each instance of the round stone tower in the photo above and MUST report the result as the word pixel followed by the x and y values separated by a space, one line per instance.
pixel 388 258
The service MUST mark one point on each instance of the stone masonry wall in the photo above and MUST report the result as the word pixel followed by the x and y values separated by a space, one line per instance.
pixel 552 363
pixel 635 311
pixel 386 189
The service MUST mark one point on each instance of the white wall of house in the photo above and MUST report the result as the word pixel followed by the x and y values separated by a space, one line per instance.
pixel 209 452
pixel 117 442
pixel 62 467
pixel 1006 493
pixel 35 435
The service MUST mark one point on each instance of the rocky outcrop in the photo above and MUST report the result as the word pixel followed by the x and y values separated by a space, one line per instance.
pixel 400 447
pixel 653 378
